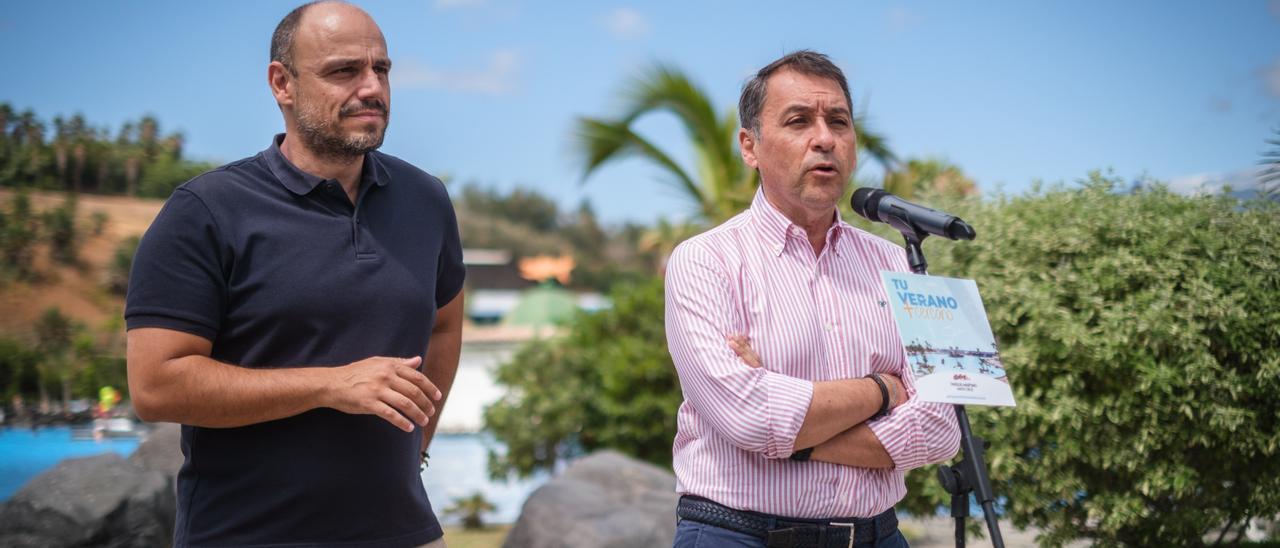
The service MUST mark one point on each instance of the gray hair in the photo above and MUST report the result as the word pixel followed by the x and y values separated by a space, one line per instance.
pixel 803 61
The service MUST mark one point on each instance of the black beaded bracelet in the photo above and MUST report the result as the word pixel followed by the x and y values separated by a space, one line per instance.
pixel 884 397
pixel 425 457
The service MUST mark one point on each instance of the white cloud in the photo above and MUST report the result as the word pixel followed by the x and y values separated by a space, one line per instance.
pixel 1212 183
pixel 900 19
pixel 626 23
pixel 457 4
pixel 498 77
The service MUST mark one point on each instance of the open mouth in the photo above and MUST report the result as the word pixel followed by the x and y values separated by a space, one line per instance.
pixel 826 169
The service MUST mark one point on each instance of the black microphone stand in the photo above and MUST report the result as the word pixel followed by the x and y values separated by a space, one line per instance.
pixel 971 472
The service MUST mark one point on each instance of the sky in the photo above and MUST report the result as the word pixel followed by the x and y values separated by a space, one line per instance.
pixel 486 91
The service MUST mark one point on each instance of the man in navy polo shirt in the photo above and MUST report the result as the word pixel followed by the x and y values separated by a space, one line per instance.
pixel 299 312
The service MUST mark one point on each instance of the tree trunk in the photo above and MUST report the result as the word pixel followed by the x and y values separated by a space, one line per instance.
pixel 131 175
pixel 66 394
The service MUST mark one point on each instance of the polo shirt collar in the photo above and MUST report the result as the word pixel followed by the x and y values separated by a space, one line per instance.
pixel 774 228
pixel 302 183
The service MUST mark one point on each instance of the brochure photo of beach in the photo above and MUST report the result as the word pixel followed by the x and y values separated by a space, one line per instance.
pixel 950 348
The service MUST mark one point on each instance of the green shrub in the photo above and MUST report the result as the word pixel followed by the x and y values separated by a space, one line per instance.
pixel 19 370
pixel 117 277
pixel 1142 337
pixel 19 230
pixel 60 231
pixel 167 173
pixel 608 383
pixel 98 222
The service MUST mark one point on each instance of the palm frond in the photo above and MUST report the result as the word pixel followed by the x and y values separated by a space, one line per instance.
pixel 1270 159
pixel 602 141
pixel 666 88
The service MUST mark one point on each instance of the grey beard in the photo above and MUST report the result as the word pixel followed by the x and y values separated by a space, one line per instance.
pixel 321 138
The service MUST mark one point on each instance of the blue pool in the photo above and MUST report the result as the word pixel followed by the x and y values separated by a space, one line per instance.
pixel 458 466
pixel 24 453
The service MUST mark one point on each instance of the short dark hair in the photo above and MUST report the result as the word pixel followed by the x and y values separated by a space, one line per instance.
pixel 803 61
pixel 282 38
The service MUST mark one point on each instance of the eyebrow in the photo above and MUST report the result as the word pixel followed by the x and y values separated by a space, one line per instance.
pixel 349 61
pixel 806 109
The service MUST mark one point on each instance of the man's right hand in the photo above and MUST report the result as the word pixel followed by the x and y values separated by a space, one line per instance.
pixel 391 388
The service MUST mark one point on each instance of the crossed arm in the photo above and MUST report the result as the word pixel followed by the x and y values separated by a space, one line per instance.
pixel 856 444
pixel 172 378
pixel 760 410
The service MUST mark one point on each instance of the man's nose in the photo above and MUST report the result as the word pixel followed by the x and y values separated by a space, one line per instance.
pixel 372 84
pixel 823 139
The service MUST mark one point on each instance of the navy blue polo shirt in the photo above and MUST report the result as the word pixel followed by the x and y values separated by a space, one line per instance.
pixel 278 269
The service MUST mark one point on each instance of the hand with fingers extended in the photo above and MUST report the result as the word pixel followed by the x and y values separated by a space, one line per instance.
pixel 391 388
pixel 742 347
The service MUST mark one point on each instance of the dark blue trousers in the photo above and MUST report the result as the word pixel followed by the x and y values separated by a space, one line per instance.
pixel 691 534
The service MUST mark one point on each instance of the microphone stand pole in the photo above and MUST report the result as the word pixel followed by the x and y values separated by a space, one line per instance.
pixel 971 472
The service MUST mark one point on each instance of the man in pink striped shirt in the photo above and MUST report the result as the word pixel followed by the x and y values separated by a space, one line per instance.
pixel 799 419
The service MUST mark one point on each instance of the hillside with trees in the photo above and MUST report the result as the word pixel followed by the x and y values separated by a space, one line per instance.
pixel 73 205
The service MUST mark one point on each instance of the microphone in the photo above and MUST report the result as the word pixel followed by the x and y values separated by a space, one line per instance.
pixel 881 207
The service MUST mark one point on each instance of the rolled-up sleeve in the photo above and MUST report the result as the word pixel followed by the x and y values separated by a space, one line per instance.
pixel 755 409
pixel 918 433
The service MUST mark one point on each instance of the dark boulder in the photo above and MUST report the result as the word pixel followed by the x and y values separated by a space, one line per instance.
pixel 604 499
pixel 162 450
pixel 94 501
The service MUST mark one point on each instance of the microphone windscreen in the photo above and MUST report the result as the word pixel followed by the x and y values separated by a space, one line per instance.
pixel 863 203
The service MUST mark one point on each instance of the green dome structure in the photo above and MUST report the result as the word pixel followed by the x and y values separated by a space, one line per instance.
pixel 546 305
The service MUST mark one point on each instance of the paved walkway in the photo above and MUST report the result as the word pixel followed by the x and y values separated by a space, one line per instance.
pixel 940 533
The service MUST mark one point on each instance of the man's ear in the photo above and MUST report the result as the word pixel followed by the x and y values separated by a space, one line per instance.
pixel 747 145
pixel 279 78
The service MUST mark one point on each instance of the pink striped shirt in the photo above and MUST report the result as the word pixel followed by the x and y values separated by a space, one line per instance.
pixel 810 318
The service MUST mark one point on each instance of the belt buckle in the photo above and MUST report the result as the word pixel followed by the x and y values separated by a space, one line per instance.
pixel 852 528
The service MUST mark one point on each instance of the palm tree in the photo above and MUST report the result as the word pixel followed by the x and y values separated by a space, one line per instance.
pixel 722 185
pixel 6 116
pixel 1270 174
pixel 54 333
pixel 60 139
pixel 149 135
pixel 471 509
pixel 24 161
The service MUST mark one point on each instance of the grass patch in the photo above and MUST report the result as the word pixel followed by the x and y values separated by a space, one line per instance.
pixel 489 537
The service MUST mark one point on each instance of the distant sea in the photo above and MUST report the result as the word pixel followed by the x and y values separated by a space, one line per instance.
pixel 458 466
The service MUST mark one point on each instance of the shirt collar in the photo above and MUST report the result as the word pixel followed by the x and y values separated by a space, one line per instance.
pixel 775 228
pixel 301 183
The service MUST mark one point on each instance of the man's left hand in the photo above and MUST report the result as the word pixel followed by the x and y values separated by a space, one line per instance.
pixel 742 347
